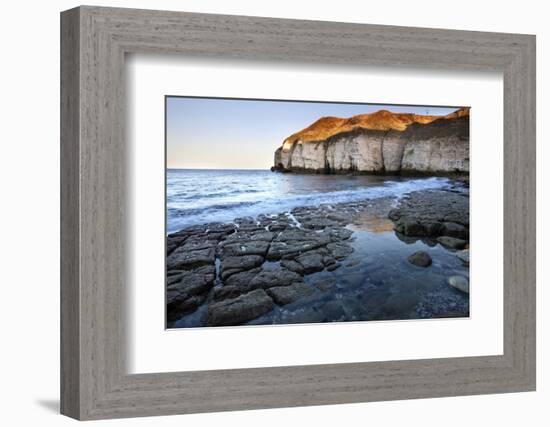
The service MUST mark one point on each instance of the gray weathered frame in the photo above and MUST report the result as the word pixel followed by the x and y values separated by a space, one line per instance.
pixel 94 41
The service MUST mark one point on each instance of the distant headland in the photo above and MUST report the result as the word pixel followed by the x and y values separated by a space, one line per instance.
pixel 380 143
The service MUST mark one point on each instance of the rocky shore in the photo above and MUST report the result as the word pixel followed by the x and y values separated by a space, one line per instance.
pixel 310 264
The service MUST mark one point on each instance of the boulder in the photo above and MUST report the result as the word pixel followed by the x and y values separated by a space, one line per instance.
pixel 420 259
pixel 459 282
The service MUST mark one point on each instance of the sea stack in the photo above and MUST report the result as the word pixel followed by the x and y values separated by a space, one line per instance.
pixel 379 143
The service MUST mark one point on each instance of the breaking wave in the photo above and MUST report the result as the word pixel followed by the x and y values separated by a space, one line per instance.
pixel 202 196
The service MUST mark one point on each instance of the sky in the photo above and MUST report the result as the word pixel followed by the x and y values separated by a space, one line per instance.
pixel 214 133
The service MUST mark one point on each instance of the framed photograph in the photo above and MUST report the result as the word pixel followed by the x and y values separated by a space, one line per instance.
pixel 341 222
pixel 262 213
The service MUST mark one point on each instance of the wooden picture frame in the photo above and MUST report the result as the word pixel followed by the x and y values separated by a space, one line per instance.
pixel 94 382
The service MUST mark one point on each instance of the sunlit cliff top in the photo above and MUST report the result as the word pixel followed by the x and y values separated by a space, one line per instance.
pixel 382 120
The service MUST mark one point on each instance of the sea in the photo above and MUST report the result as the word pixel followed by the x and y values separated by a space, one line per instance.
pixel 199 196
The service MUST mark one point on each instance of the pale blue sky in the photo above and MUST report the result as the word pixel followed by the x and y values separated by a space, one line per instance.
pixel 213 133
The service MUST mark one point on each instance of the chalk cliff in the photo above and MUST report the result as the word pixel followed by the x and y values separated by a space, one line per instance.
pixel 381 142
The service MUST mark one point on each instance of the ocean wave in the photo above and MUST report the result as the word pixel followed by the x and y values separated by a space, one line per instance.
pixel 192 195
pixel 209 209
pixel 261 201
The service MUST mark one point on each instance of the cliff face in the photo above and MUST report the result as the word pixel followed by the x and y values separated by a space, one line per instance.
pixel 380 142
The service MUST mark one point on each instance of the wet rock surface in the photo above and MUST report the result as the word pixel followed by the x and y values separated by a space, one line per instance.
pixel 286 294
pixel 452 242
pixel 236 264
pixel 459 282
pixel 420 258
pixel 464 256
pixel 237 310
pixel 324 263
pixel 434 214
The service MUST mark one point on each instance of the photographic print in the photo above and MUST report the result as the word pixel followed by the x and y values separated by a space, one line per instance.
pixel 285 212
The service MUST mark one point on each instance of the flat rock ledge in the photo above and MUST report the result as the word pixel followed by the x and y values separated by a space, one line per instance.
pixel 438 216
pixel 236 272
pixel 237 310
pixel 239 271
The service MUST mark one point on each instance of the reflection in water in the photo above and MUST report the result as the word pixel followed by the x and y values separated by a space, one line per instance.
pixel 375 282
pixel 372 223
